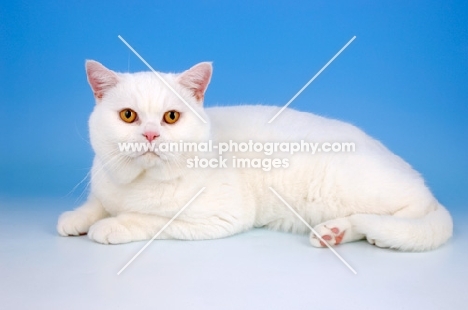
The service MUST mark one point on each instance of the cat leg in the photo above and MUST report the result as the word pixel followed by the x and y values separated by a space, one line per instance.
pixel 78 221
pixel 334 232
pixel 130 227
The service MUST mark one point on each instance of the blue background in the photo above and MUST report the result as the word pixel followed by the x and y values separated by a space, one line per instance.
pixel 403 80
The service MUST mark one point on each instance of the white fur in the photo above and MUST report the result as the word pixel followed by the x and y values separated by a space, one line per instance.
pixel 370 193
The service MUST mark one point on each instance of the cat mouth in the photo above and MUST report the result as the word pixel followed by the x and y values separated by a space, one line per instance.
pixel 150 154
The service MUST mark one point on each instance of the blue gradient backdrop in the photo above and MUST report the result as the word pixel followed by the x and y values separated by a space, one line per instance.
pixel 403 80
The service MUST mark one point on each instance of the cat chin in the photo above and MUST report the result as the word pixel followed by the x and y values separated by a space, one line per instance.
pixel 148 160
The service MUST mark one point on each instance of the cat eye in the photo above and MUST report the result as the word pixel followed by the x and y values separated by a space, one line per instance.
pixel 171 117
pixel 128 115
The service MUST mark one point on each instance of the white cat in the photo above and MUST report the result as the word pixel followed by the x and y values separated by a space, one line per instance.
pixel 370 193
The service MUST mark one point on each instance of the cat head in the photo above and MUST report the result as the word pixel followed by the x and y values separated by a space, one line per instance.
pixel 139 108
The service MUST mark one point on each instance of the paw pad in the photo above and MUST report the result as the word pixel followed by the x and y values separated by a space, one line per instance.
pixel 333 236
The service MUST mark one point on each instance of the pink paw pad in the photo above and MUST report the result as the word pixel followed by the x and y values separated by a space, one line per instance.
pixel 335 230
pixel 338 237
pixel 327 238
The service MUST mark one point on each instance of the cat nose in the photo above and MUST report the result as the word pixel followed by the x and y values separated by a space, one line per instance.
pixel 150 135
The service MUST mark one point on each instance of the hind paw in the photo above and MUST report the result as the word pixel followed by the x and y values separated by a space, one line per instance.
pixel 377 243
pixel 334 232
pixel 331 235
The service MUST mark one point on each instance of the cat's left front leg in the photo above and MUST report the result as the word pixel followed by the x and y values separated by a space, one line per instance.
pixel 130 227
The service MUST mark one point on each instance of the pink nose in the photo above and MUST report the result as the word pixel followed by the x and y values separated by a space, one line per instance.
pixel 151 135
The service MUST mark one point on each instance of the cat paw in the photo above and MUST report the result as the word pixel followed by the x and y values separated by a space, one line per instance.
pixel 377 243
pixel 73 223
pixel 110 231
pixel 334 232
pixel 332 235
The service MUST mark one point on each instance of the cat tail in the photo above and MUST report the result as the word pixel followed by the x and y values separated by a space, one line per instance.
pixel 406 234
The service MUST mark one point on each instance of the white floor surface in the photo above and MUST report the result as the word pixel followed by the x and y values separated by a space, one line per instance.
pixel 260 269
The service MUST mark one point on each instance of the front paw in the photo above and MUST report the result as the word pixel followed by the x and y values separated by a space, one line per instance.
pixel 73 223
pixel 110 231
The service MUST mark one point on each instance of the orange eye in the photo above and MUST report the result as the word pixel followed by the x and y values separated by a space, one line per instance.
pixel 128 115
pixel 171 117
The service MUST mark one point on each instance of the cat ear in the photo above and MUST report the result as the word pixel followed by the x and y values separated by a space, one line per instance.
pixel 197 79
pixel 100 78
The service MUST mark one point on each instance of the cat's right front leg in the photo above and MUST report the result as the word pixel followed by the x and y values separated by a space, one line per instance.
pixel 78 221
pixel 128 227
